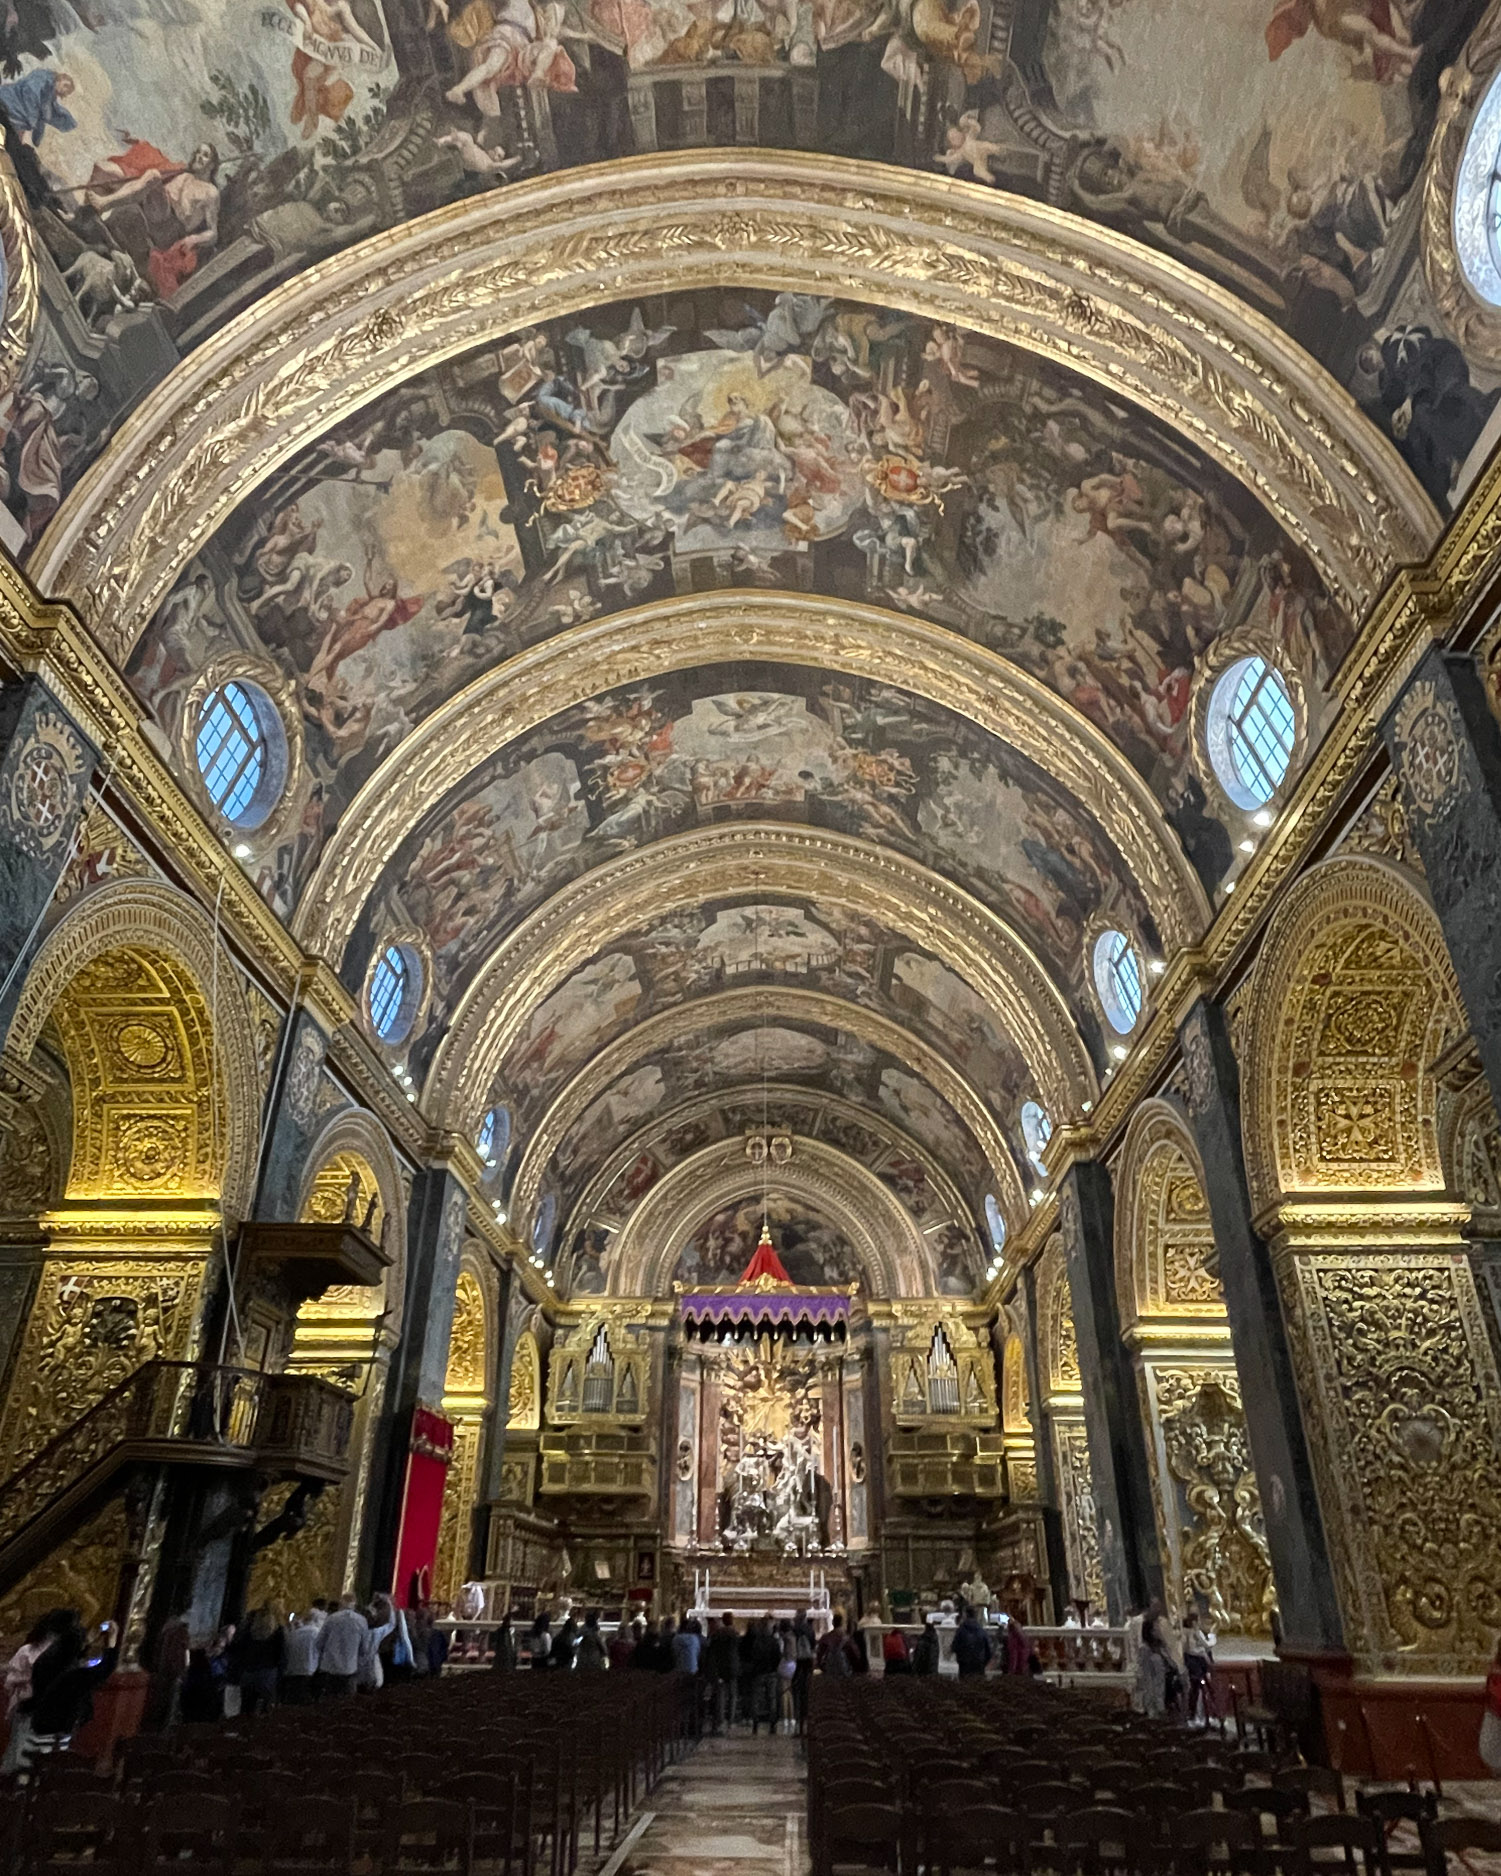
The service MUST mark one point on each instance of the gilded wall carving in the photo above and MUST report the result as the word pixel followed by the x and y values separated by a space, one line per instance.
pixel 1164 1239
pixel 298 1568
pixel 1060 1345
pixel 524 1406
pixel 1355 993
pixel 1081 1535
pixel 166 1143
pixel 1382 830
pixel 466 1402
pixel 91 1327
pixel 82 1574
pixel 1396 1366
pixel 1219 1543
pixel 451 1564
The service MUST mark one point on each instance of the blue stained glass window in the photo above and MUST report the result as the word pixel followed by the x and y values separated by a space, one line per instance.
pixel 231 751
pixel 1117 976
pixel 1261 729
pixel 389 984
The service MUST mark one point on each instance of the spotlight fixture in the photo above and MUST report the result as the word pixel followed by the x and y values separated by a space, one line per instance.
pixel 1156 967
pixel 1086 1107
pixel 1120 1051
pixel 243 849
pixel 548 1277
pixel 1248 846
pixel 1037 1195
pixel 1262 818
pixel 1229 885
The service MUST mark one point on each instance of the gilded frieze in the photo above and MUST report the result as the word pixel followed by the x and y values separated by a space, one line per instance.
pixel 1081 1535
pixel 293 1571
pixel 524 1402
pixel 83 1573
pixel 451 1565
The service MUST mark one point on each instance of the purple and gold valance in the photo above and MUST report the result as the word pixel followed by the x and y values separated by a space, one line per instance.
pixel 773 1308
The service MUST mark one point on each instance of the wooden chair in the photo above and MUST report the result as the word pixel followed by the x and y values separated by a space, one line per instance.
pixel 193 1838
pixel 426 1837
pixel 90 1832
pixel 1216 1843
pixel 1099 1839
pixel 1359 1841
pixel 1394 1809
pixel 309 1834
pixel 978 1837
pixel 870 1836
pixel 1453 1836
pixel 500 1828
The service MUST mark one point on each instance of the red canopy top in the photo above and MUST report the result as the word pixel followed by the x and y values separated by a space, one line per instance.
pixel 765 1267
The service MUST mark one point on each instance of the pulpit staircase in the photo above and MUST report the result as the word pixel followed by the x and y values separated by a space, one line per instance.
pixel 170 1413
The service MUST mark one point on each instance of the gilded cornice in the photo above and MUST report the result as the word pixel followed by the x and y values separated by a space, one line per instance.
pixel 880 1230
pixel 1359 1223
pixel 1098 303
pixel 588 1206
pixel 865 642
pixel 752 1006
pixel 714 862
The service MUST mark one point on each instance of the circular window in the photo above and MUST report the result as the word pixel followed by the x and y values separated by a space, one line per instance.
pixel 395 992
pixel 1117 977
pixel 1250 731
pixel 1477 201
pixel 1037 1130
pixel 494 1136
pixel 241 749
pixel 995 1224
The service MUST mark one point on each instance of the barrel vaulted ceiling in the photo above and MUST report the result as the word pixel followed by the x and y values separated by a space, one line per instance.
pixel 740 511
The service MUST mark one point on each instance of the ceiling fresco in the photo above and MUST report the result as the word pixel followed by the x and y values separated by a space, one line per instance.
pixel 721 1067
pixel 718 440
pixel 690 955
pixel 183 160
pixel 762 743
pixel 863 1135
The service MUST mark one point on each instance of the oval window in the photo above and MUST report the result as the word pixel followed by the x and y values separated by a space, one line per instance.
pixel 1117 977
pixel 995 1224
pixel 1477 200
pixel 494 1136
pixel 1037 1130
pixel 1250 731
pixel 241 749
pixel 395 992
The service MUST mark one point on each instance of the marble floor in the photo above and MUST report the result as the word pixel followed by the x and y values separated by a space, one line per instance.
pixel 734 1807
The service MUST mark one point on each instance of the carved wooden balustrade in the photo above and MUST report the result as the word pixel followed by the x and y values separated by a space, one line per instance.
pixel 1069 1651
pixel 172 1412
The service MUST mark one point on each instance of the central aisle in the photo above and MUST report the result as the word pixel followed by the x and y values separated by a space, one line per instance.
pixel 735 1807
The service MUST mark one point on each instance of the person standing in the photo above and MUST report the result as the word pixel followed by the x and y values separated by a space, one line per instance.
pixel 895 1652
pixel 539 1640
pixel 834 1656
pixel 688 1646
pixel 299 1659
pixel 805 1645
pixel 565 1645
pixel 18 1684
pixel 972 1648
pixel 622 1646
pixel 380 1621
pixel 929 1651
pixel 339 1642
pixel 765 1660
pixel 1198 1662
pixel 722 1660
pixel 257 1655
pixel 593 1657
pixel 503 1645
pixel 63 1679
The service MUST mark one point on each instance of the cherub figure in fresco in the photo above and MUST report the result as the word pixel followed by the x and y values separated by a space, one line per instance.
pixel 319 92
pixel 945 347
pixel 965 148
pixel 1373 29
